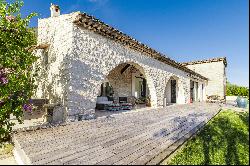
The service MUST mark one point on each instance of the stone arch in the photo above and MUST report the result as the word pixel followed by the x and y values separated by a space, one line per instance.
pixel 84 84
pixel 171 94
pixel 150 84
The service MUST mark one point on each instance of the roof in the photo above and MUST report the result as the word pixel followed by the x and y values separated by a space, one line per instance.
pixel 224 59
pixel 93 24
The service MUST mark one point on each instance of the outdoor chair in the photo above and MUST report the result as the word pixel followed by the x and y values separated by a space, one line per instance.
pixel 102 102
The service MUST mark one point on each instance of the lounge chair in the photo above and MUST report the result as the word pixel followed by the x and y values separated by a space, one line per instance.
pixel 102 102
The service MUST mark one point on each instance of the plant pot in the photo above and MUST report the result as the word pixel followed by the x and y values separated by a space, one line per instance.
pixel 241 102
pixel 148 104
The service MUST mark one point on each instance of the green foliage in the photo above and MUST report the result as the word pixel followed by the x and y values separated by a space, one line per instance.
pixel 223 141
pixel 109 89
pixel 234 90
pixel 16 74
pixel 6 150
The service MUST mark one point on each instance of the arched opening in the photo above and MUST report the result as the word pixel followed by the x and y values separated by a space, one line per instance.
pixel 194 91
pixel 125 87
pixel 171 91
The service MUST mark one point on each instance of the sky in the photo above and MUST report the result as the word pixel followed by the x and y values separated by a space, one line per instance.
pixel 184 30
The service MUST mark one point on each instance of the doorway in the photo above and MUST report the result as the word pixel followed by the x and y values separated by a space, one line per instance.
pixel 191 91
pixel 173 91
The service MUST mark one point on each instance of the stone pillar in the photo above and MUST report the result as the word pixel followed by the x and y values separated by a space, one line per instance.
pixel 133 85
pixel 195 92
pixel 164 102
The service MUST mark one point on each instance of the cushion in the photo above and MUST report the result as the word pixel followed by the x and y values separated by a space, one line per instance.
pixel 105 102
pixel 101 99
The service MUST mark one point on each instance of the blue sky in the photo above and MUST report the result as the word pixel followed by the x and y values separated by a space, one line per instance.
pixel 184 30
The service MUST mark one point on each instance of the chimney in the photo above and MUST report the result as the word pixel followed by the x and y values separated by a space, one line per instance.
pixel 54 10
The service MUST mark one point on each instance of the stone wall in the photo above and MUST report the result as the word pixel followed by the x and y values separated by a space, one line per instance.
pixel 53 62
pixel 136 86
pixel 121 83
pixel 80 61
pixel 94 56
pixel 215 72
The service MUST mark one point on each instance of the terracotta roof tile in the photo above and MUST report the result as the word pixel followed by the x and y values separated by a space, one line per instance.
pixel 206 61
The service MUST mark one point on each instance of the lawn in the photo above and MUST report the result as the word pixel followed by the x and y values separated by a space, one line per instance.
pixel 223 141
pixel 6 150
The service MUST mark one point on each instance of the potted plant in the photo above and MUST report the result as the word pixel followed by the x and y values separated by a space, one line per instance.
pixel 148 101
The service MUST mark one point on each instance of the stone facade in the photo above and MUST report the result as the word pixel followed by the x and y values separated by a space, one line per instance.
pixel 121 83
pixel 79 60
pixel 94 57
pixel 54 61
pixel 216 74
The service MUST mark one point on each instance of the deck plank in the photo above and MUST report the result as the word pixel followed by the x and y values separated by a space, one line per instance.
pixel 144 137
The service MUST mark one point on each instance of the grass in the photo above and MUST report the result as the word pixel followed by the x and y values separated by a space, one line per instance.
pixel 223 141
pixel 6 150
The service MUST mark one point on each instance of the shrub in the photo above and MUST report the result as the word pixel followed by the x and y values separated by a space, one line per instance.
pixel 16 76
pixel 234 90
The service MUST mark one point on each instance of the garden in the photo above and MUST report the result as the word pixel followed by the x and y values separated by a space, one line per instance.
pixel 223 141
pixel 17 73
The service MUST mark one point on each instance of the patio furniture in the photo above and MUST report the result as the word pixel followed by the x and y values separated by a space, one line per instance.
pixel 102 102
pixel 113 107
pixel 111 98
pixel 123 99
pixel 126 106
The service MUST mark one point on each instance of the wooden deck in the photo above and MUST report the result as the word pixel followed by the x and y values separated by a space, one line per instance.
pixel 144 137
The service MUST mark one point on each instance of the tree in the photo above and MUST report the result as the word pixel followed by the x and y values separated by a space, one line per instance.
pixel 235 90
pixel 16 61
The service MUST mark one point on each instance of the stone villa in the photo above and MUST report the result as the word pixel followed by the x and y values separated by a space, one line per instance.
pixel 80 56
